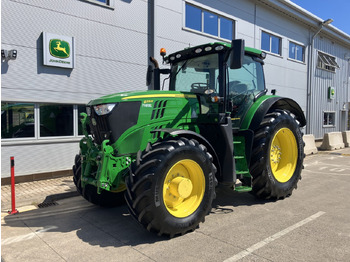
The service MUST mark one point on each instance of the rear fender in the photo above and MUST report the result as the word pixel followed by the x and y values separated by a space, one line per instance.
pixel 256 115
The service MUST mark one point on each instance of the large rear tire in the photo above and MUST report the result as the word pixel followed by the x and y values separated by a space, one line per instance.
pixel 89 192
pixel 277 157
pixel 171 186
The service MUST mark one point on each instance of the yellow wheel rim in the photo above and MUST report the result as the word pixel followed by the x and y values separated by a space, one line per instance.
pixel 283 155
pixel 183 188
pixel 121 188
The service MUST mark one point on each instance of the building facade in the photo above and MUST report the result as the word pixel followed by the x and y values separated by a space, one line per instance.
pixel 109 43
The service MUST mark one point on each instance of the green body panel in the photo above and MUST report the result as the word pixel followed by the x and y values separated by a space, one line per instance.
pixel 106 165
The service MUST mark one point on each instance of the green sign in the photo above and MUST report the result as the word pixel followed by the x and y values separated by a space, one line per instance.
pixel 331 92
pixel 59 48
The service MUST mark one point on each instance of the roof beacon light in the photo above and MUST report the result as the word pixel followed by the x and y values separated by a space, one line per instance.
pixel 163 52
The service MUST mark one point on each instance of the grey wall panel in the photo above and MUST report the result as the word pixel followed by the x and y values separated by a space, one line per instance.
pixel 288 77
pixel 106 54
pixel 92 78
pixel 31 159
pixel 322 80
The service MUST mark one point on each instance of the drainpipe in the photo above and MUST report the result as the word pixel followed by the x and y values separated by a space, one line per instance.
pixel 347 105
pixel 310 73
pixel 151 30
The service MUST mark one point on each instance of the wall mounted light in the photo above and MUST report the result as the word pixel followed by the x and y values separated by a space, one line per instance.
pixel 7 55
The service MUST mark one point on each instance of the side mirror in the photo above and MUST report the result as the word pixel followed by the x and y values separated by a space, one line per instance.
pixel 149 75
pixel 237 54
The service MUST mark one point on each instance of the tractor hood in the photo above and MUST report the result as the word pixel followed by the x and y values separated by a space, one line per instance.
pixel 140 96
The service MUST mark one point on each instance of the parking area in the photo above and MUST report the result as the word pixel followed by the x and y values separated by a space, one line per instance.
pixel 311 225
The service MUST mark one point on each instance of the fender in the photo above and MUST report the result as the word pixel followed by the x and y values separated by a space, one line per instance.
pixel 198 137
pixel 259 109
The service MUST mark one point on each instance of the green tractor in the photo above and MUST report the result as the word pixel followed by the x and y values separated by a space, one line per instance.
pixel 164 152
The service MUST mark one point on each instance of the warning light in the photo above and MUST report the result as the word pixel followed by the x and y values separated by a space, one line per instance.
pixel 163 52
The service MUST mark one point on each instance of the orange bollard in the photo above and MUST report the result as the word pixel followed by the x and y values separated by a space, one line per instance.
pixel 13 201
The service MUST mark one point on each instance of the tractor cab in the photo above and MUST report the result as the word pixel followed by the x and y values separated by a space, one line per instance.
pixel 227 80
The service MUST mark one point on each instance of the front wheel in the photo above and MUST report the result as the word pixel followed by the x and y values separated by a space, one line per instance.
pixel 277 157
pixel 171 186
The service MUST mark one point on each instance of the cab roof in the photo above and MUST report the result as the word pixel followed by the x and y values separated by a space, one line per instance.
pixel 209 48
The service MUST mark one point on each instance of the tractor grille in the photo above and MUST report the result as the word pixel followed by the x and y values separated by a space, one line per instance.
pixel 111 126
pixel 158 109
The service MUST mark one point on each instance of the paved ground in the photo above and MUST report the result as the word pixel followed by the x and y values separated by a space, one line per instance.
pixel 311 225
pixel 34 193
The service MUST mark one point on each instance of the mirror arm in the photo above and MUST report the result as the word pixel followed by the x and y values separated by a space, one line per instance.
pixel 154 62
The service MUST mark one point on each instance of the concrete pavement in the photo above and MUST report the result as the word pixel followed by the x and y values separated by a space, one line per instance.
pixel 34 193
pixel 311 225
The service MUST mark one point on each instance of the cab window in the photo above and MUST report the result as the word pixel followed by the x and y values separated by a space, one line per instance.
pixel 243 85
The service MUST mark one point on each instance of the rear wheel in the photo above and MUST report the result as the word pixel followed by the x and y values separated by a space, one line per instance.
pixel 171 186
pixel 277 158
pixel 89 192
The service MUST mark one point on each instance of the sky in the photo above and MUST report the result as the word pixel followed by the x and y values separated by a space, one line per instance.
pixel 338 10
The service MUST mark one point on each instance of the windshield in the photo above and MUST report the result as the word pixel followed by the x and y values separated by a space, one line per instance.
pixel 196 75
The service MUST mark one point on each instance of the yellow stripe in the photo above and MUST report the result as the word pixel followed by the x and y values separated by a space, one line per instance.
pixel 160 95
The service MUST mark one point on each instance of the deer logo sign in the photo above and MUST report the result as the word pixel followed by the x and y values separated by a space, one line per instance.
pixel 59 48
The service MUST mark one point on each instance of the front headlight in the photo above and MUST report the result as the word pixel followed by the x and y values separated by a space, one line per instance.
pixel 104 109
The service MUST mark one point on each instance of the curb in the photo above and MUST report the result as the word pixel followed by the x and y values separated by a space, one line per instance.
pixel 333 153
pixel 55 197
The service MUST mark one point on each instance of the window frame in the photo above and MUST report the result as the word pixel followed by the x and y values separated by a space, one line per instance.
pixel 270 43
pixel 44 139
pixel 328 62
pixel 328 125
pixel 215 12
pixel 295 58
pixel 108 3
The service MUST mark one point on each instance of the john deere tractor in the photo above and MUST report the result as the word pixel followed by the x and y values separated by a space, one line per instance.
pixel 164 152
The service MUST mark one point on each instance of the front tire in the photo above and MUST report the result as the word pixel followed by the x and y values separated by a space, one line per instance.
pixel 89 192
pixel 171 186
pixel 278 154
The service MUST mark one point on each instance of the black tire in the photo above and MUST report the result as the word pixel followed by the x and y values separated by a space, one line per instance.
pixel 89 192
pixel 267 155
pixel 145 195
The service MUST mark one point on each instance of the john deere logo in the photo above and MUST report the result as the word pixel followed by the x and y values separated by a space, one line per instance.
pixel 59 48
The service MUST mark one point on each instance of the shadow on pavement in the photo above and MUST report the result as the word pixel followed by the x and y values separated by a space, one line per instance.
pixel 109 227
pixel 226 199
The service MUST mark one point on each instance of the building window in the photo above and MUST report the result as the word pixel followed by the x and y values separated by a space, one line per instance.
pixel 36 121
pixel 328 119
pixel 296 52
pixel 208 22
pixel 106 3
pixel 56 120
pixel 17 120
pixel 271 43
pixel 326 62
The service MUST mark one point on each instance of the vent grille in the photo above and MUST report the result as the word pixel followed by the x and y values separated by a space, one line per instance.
pixel 158 109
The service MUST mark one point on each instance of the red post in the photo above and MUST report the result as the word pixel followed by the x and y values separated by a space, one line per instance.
pixel 14 210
